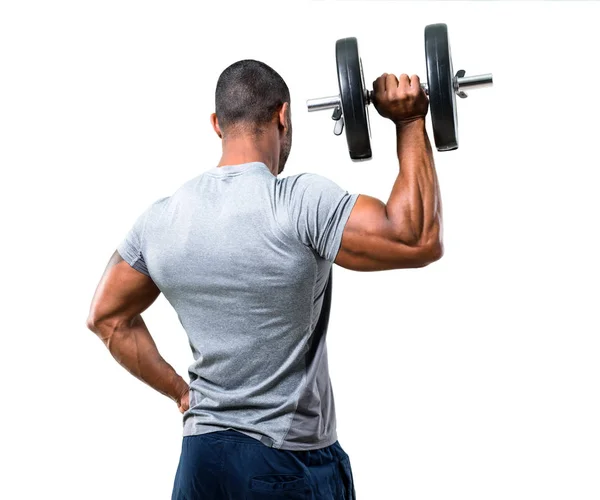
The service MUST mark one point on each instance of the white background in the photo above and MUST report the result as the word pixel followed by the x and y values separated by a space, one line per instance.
pixel 474 378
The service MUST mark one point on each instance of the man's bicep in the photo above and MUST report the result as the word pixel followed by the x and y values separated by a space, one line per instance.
pixel 123 292
pixel 370 242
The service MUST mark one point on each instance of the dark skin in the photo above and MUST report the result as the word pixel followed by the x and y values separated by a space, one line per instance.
pixel 116 317
pixel 405 232
pixel 269 143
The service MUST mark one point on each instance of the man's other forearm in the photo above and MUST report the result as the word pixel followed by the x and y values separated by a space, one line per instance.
pixel 130 343
pixel 414 206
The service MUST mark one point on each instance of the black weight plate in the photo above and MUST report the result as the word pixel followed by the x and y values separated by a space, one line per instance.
pixel 353 99
pixel 440 77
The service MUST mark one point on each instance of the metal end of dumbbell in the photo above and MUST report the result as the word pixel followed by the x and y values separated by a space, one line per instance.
pixel 462 82
pixel 321 103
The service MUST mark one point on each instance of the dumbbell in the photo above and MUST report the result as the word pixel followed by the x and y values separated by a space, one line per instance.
pixel 350 107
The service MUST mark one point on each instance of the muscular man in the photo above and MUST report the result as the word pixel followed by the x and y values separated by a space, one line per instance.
pixel 245 258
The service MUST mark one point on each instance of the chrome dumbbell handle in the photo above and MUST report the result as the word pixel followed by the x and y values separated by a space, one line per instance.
pixel 462 83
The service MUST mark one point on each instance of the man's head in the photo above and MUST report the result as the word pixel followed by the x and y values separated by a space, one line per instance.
pixel 253 101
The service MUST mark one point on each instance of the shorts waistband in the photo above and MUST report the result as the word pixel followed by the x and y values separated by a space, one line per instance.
pixel 233 435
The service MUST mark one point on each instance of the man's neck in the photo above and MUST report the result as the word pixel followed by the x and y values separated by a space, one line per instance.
pixel 241 150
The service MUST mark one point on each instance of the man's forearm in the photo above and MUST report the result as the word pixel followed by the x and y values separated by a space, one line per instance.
pixel 414 205
pixel 131 345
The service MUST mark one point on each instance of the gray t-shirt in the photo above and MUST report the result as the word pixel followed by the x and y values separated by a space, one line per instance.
pixel 245 259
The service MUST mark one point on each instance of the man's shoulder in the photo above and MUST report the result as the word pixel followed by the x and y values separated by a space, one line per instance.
pixel 306 180
pixel 157 207
pixel 188 187
pixel 305 176
pixel 160 203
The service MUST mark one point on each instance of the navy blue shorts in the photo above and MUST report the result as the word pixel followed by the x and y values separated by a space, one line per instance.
pixel 228 465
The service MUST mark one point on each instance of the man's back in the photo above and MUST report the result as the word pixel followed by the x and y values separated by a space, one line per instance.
pixel 245 259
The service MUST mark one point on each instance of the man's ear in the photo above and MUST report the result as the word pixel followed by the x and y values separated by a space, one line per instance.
pixel 215 125
pixel 285 117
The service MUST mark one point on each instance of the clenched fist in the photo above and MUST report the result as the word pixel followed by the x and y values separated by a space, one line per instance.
pixel 400 100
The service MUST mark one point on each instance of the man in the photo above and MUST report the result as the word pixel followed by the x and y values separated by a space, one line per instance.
pixel 245 258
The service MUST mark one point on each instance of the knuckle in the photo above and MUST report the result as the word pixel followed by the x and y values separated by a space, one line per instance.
pixel 393 97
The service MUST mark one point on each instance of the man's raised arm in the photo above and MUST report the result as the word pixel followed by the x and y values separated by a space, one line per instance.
pixel 406 231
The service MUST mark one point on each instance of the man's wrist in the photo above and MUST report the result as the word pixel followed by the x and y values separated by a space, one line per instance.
pixel 180 387
pixel 418 122
pixel 411 138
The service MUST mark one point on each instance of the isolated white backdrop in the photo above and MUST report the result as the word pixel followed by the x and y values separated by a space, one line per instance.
pixel 474 378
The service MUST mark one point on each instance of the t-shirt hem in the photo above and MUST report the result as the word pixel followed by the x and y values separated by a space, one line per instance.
pixel 192 429
pixel 310 446
pixel 129 255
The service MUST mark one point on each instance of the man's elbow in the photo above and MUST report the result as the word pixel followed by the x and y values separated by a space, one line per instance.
pixel 430 252
pixel 100 324
pixel 92 324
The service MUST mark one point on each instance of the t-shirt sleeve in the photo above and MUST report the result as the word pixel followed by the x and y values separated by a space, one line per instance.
pixel 131 247
pixel 318 210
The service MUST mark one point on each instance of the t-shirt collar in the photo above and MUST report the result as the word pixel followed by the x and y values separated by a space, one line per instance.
pixel 227 170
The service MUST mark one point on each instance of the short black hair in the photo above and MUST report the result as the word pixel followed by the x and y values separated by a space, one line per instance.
pixel 249 93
